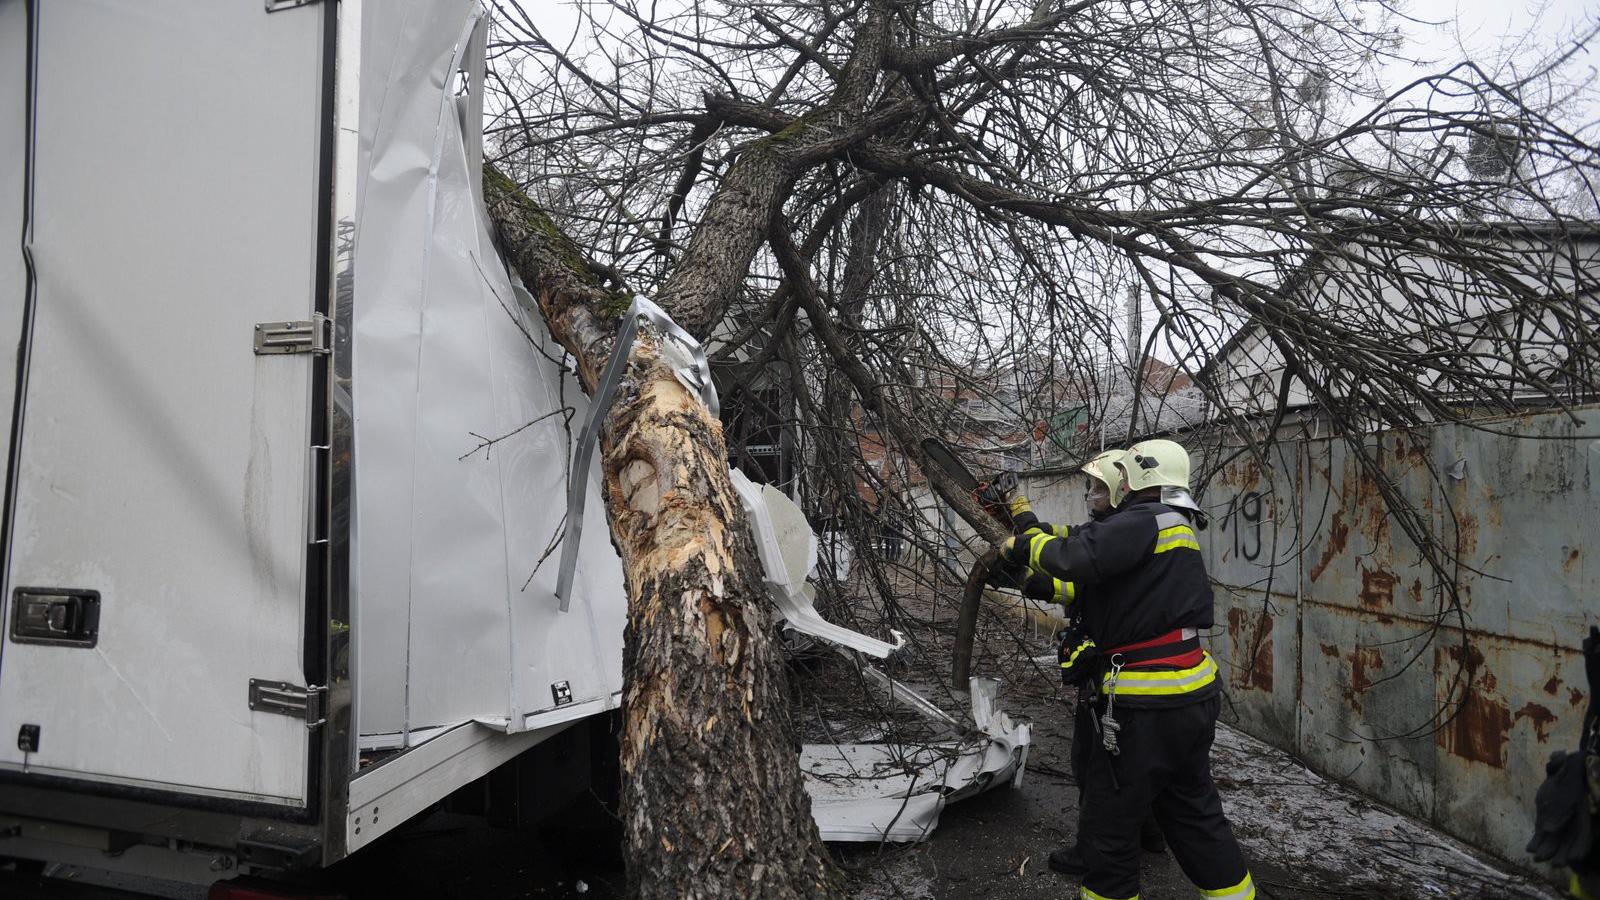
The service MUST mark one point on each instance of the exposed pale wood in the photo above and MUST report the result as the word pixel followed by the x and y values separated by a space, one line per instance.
pixel 713 803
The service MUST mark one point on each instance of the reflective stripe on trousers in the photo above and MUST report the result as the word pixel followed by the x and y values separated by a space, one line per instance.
pixel 1244 890
pixel 1086 894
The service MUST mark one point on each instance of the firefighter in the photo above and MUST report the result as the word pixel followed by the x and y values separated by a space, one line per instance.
pixel 1102 495
pixel 1145 598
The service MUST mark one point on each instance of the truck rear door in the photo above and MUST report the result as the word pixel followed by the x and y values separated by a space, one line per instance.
pixel 160 462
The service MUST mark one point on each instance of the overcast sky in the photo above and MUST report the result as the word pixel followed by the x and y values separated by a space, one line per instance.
pixel 1440 33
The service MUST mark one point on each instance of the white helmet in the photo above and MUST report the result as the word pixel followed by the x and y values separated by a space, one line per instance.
pixel 1158 463
pixel 1103 469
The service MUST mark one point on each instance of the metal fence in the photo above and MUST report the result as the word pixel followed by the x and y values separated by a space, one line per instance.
pixel 1337 638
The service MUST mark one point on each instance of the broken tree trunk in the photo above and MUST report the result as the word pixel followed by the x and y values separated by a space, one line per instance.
pixel 712 799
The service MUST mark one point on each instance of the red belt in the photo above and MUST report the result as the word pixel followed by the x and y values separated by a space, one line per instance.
pixel 1170 649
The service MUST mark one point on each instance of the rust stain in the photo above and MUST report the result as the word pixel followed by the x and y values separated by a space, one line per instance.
pixel 1474 659
pixel 1378 521
pixel 1541 718
pixel 1252 641
pixel 1245 475
pixel 1478 732
pixel 1553 685
pixel 1365 659
pixel 1330 650
pixel 1467 531
pixel 1377 589
pixel 1338 536
pixel 1492 512
pixel 1572 560
pixel 1575 697
pixel 1416 591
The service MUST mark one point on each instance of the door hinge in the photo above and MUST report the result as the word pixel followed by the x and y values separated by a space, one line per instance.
pixel 307 336
pixel 287 699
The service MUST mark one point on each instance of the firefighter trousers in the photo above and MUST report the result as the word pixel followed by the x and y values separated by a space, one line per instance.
pixel 1165 767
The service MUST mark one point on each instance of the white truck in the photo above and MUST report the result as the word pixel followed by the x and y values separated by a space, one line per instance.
pixel 269 588
pixel 288 457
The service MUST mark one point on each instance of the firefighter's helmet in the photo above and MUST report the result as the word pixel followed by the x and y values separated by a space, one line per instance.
pixel 1157 463
pixel 1104 470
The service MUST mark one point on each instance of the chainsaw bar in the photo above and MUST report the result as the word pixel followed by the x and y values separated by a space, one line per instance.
pixel 940 454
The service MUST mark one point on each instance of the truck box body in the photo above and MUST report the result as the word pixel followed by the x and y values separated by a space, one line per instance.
pixel 256 332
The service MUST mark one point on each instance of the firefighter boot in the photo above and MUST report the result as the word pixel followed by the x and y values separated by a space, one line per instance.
pixel 1068 861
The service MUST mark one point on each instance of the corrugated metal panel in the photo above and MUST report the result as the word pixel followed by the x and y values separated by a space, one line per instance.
pixel 1521 510
pixel 1251 554
pixel 1326 611
pixel 1368 686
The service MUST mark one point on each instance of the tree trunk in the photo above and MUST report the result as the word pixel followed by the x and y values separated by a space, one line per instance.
pixel 712 799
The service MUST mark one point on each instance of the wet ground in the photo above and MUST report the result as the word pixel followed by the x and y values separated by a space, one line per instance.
pixel 1304 837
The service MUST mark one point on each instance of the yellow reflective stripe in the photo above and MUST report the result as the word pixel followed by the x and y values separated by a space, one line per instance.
pixel 1065 592
pixel 1061 530
pixel 1035 544
pixel 1175 537
pixel 1076 652
pixel 1177 545
pixel 1086 894
pixel 1133 683
pixel 1244 890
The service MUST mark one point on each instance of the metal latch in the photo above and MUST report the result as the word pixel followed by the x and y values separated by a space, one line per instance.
pixel 313 336
pixel 287 699
pixel 280 5
pixel 67 617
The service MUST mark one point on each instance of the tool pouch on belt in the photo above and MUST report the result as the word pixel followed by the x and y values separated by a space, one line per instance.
pixel 1079 658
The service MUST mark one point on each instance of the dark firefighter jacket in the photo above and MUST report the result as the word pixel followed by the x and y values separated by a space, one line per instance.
pixel 1138 575
pixel 1038 585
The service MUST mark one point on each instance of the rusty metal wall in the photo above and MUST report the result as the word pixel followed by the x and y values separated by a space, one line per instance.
pixel 1327 612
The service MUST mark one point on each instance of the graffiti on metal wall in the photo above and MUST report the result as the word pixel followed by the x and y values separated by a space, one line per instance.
pixel 1242 525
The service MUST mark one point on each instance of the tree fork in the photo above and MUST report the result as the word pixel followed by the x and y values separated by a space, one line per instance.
pixel 712 801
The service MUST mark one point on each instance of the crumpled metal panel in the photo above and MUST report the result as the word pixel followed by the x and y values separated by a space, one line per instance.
pixel 892 792
pixel 787 549
pixel 455 617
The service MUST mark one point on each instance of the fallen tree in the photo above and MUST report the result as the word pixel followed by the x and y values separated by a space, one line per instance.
pixel 1029 161
pixel 712 801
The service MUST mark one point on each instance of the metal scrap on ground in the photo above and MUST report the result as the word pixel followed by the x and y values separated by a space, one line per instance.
pixel 874 791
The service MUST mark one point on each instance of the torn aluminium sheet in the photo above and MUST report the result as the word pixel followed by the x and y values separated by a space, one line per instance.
pixel 877 791
pixel 788 551
pixel 882 791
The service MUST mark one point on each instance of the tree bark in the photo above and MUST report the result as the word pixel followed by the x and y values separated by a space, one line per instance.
pixel 712 799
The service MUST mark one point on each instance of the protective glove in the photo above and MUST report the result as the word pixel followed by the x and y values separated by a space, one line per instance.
pixel 1562 831
pixel 1013 550
pixel 1044 588
pixel 1006 575
pixel 1019 505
